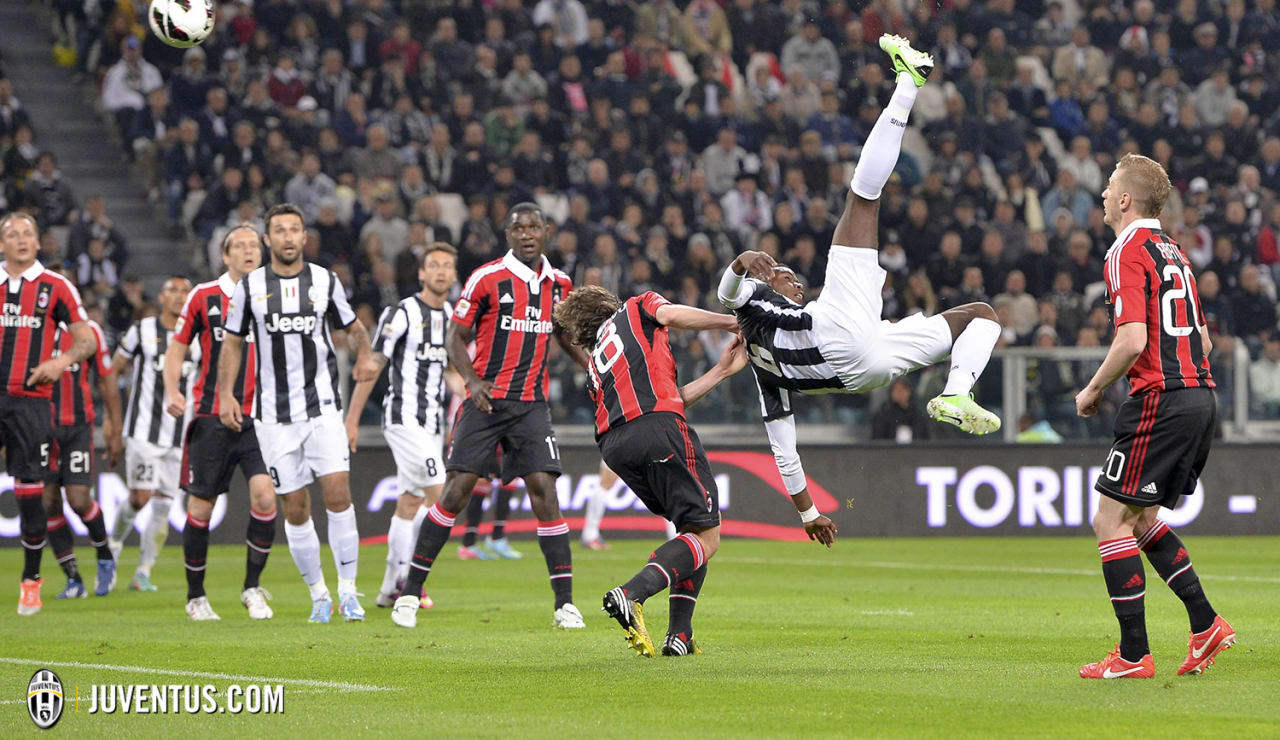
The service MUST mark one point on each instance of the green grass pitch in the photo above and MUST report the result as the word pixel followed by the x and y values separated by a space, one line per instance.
pixel 893 637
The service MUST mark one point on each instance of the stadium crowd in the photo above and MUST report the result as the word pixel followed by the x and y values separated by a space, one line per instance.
pixel 666 137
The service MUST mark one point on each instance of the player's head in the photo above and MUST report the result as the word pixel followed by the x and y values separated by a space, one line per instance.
pixel 286 233
pixel 1138 188
pixel 241 250
pixel 20 238
pixel 583 311
pixel 788 283
pixel 173 294
pixel 439 269
pixel 527 231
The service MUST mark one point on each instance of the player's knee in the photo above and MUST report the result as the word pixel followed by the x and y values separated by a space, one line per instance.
pixel 79 499
pixel 984 311
pixel 34 528
pixel 200 508
pixel 407 505
pixel 710 539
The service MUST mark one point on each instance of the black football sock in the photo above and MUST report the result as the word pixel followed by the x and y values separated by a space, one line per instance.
pixel 553 538
pixel 63 550
pixel 682 601
pixel 475 512
pixel 34 525
pixel 258 540
pixel 674 561
pixel 97 526
pixel 195 552
pixel 1169 557
pixel 1122 569
pixel 501 509
pixel 431 538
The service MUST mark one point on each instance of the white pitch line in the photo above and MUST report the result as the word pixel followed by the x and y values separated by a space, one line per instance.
pixel 963 568
pixel 199 674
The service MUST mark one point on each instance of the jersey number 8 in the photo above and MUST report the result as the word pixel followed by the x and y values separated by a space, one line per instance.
pixel 608 350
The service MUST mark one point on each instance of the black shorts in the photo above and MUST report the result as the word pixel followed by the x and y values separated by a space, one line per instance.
pixel 26 430
pixel 1162 443
pixel 211 453
pixel 661 459
pixel 74 445
pixel 522 428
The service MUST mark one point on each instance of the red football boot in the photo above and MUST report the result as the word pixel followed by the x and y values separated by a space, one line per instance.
pixel 1113 666
pixel 1203 647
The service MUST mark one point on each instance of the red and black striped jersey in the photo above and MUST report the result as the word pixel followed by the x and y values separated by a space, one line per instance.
pixel 35 303
pixel 509 306
pixel 1149 280
pixel 632 370
pixel 72 399
pixel 202 318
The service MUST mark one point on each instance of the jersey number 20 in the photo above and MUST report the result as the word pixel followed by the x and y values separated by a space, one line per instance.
pixel 1179 276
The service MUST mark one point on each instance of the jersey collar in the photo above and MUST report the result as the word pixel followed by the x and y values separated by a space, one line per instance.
pixel 227 284
pixel 36 269
pixel 522 271
pixel 1142 223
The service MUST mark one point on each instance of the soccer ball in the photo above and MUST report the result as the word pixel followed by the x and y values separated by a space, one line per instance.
pixel 181 23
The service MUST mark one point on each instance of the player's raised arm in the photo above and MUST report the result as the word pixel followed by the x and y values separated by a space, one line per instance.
pixel 732 360
pixel 734 290
pixel 676 316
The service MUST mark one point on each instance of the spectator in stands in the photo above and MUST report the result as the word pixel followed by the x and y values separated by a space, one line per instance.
pixel 1254 311
pixel 127 84
pixel 814 54
pixel 1264 380
pixel 310 187
pixel 11 111
pixel 899 419
pixel 48 193
pixel 1069 195
pixel 568 18
pixel 92 222
pixel 1080 60
pixel 1215 308
pixel 187 86
pixel 1023 306
pixel 96 270
pixel 187 164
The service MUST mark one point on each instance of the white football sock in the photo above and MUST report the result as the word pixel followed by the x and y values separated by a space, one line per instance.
pixel 880 152
pixel 400 544
pixel 123 520
pixel 344 541
pixel 304 546
pixel 157 531
pixel 594 513
pixel 969 355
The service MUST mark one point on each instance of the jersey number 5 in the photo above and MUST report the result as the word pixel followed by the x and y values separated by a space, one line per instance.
pixel 1179 277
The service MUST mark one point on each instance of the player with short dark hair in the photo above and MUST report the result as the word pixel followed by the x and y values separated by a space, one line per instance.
pixel 35 301
pixel 211 452
pixel 73 417
pixel 507 304
pixel 1164 429
pixel 289 305
pixel 153 449
pixel 410 338
pixel 643 436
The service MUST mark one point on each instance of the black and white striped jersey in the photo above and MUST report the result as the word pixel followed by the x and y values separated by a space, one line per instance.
pixel 411 336
pixel 783 349
pixel 145 418
pixel 291 317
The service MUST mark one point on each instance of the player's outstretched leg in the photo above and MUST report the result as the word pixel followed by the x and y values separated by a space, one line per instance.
pixel 1126 584
pixel 431 540
pixel 152 541
pixel 497 543
pixel 671 563
pixel 974 333
pixel 1210 633
pixel 681 602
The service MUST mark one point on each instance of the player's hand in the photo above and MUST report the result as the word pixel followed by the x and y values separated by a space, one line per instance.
pixel 822 530
pixel 229 412
pixel 176 404
pixel 758 265
pixel 366 369
pixel 734 355
pixel 353 433
pixel 481 393
pixel 48 371
pixel 115 448
pixel 1087 402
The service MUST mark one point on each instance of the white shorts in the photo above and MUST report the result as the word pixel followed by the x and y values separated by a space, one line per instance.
pixel 419 456
pixel 865 350
pixel 298 453
pixel 150 467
